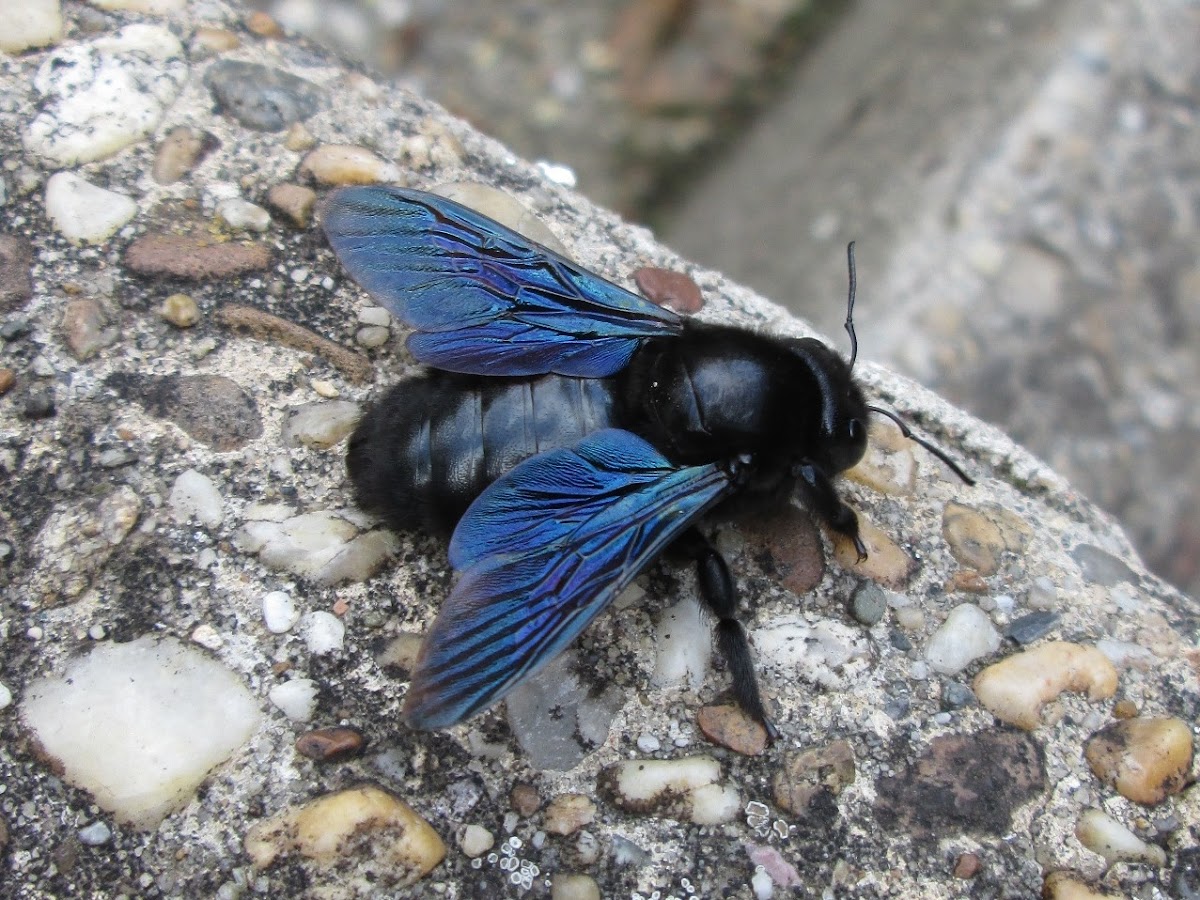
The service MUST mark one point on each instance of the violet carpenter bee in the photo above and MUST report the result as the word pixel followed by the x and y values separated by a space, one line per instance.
pixel 569 431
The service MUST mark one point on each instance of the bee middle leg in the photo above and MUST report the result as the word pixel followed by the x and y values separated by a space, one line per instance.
pixel 720 596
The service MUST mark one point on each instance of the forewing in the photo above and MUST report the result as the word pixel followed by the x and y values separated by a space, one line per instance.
pixel 542 552
pixel 484 299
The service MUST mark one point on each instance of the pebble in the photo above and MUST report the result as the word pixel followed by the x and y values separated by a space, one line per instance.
pixel 296 698
pixel 887 562
pixel 211 409
pixel 1127 655
pixel 1032 626
pixel 330 744
pixel 16 274
pixel 363 835
pixel 967 866
pixel 318 545
pixel 180 310
pixel 262 98
pixel 103 95
pixel 36 23
pixel 1016 688
pixel 565 886
pixel 504 208
pixel 94 835
pixel 475 840
pixel 267 327
pixel 1145 759
pixel 209 41
pixel 868 604
pixel 957 696
pixel 966 635
pixel 84 213
pixel 207 637
pixel 684 789
pixel 335 164
pixel 814 776
pixel 648 743
pixel 729 726
pixel 242 215
pixel 294 202
pixel 323 632
pixel 674 290
pixel 1042 593
pixel 6 696
pixel 39 404
pixel 1063 884
pixel 140 724
pixel 978 537
pixel 319 425
pixel 794 545
pixel 180 151
pixel 279 612
pixel 1102 834
pixel 682 646
pixel 524 798
pixel 1101 567
pixel 568 813
pixel 812 651
pixel 195 257
pixel 777 869
pixel 86 329
pixel 195 496
pixel 372 336
pixel 375 315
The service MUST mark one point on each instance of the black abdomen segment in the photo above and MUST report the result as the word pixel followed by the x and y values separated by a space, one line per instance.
pixel 432 443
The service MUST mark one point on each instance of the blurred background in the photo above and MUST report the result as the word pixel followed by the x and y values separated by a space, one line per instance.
pixel 1022 178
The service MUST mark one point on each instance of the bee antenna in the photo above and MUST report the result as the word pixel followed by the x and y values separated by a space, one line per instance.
pixel 850 305
pixel 931 447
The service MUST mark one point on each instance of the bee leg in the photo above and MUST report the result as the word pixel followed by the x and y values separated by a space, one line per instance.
pixel 824 500
pixel 718 593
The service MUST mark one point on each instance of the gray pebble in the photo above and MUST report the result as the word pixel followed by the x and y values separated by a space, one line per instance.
pixel 39 405
pixel 15 328
pixel 262 98
pixel 869 603
pixel 1029 628
pixel 1101 567
pixel 95 834
pixel 956 695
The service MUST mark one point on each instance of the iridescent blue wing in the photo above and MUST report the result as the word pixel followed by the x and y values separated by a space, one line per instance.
pixel 542 551
pixel 483 299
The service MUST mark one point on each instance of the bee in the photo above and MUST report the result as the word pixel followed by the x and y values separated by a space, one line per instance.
pixel 568 432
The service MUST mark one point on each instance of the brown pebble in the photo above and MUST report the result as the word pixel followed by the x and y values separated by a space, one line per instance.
pixel 887 563
pixel 7 379
pixel 214 40
pixel 524 798
pixel 968 865
pixel 180 151
pixel 967 581
pixel 263 25
pixel 84 328
pixel 16 276
pixel 978 537
pixel 729 726
pixel 567 813
pixel 668 288
pixel 212 409
pixel 180 310
pixel 814 777
pixel 1124 709
pixel 267 327
pixel 1067 885
pixel 328 744
pixel 294 201
pixel 1145 760
pixel 346 164
pixel 195 257
pixel 794 544
pixel 299 138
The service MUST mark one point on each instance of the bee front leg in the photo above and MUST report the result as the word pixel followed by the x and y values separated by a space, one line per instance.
pixel 824 500
pixel 720 596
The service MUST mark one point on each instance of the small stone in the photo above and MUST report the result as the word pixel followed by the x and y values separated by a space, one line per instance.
pixel 16 274
pixel 1042 593
pixel 794 544
pixel 5 696
pixel 648 743
pixel 329 744
pixel 262 98
pixel 887 562
pixel 84 213
pixel 195 496
pixel 258 22
pixel 363 835
pixel 279 612
pixel 504 208
pixel 336 164
pixel 31 23
pixel 372 336
pixel 1031 627
pixel 524 799
pixel 323 632
pixel 319 545
pixel 1067 885
pixel 299 138
pixel 684 789
pixel 475 840
pixel 567 813
pixel 375 315
pixel 682 646
pixel 212 409
pixel 39 404
pixel 565 886
pixel 296 698
pixel 295 202
pixel 729 726
pixel 674 290
pixel 242 215
pixel 180 151
pixel 207 637
pixel 195 257
pixel 810 781
pixel 1102 834
pixel 94 835
pixel 180 310
pixel 966 635
pixel 978 538
pixel 434 146
pixel 1146 760
pixel 85 328
pixel 1016 688
pixel 1124 709
pixel 320 425
pixel 1101 567
pixel 957 696
pixel 868 604
pixel 967 866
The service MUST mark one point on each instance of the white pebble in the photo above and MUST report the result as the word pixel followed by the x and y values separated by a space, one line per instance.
pixel 279 612
pixel 243 215
pixel 715 804
pixel 83 212
pixel 207 637
pixel 95 834
pixel 195 496
pixel 648 743
pixel 323 632
pixel 476 841
pixel 762 885
pixel 1101 833
pixel 5 695
pixel 295 698
pixel 30 23
pixel 683 646
pixel 965 636
pixel 375 315
pixel 320 424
